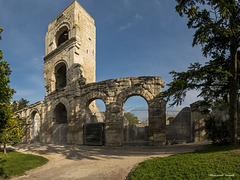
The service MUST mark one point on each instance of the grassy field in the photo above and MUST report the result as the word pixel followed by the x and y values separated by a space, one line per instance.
pixel 215 163
pixel 15 163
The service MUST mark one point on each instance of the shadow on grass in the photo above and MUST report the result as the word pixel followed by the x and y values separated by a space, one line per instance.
pixel 218 148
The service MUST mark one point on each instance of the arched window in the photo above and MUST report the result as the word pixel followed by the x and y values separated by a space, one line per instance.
pixel 62 35
pixel 60 114
pixel 60 75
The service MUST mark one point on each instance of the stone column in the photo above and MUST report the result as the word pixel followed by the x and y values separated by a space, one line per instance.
pixel 157 123
pixel 113 126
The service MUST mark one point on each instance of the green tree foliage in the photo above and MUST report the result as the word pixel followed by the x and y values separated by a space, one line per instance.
pixel 5 115
pixel 14 106
pixel 22 103
pixel 12 132
pixel 217 123
pixel 9 128
pixel 5 90
pixel 18 105
pixel 217 25
pixel 131 118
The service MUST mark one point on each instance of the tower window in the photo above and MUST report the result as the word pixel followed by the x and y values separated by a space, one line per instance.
pixel 62 38
pixel 60 75
pixel 62 35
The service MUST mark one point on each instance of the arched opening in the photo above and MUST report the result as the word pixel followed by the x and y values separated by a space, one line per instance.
pixel 60 114
pixel 96 111
pixel 94 123
pixel 35 129
pixel 60 124
pixel 62 36
pixel 135 122
pixel 60 76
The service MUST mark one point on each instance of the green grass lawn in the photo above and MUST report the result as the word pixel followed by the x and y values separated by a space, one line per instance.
pixel 214 163
pixel 15 163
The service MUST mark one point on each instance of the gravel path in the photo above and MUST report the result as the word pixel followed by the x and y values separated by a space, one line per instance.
pixel 95 162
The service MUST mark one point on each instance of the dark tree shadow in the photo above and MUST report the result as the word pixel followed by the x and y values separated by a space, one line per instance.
pixel 78 152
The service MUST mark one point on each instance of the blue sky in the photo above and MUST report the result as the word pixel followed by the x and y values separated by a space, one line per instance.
pixel 134 38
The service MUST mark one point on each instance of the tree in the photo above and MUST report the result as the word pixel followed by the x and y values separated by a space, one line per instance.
pixel 14 106
pixel 12 132
pixel 217 25
pixel 131 118
pixel 18 105
pixel 5 90
pixel 5 115
pixel 217 123
pixel 22 103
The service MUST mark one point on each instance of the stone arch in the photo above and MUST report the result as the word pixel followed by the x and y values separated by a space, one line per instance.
pixel 35 110
pixel 35 120
pixel 91 112
pixel 60 121
pixel 93 95
pixel 62 33
pixel 60 113
pixel 157 121
pixel 123 96
pixel 63 101
pixel 60 72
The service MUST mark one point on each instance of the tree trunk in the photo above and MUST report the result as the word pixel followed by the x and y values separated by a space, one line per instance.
pixel 4 148
pixel 233 112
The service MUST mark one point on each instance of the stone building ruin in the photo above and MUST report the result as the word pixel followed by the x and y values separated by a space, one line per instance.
pixel 64 117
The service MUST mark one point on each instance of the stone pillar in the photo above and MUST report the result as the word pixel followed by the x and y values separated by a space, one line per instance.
pixel 157 123
pixel 113 126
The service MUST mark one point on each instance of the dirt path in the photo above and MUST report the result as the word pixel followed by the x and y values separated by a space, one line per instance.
pixel 95 162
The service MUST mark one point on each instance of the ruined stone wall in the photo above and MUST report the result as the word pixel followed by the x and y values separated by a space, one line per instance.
pixel 187 126
pixel 179 129
pixel 34 115
pixel 114 93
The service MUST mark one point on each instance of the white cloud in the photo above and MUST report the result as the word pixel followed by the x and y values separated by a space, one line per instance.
pixel 127 26
pixel 130 24
pixel 23 93
pixel 138 16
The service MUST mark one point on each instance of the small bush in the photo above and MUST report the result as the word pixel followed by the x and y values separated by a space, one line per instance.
pixel 217 129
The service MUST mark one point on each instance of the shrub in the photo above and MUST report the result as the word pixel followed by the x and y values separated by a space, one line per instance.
pixel 217 129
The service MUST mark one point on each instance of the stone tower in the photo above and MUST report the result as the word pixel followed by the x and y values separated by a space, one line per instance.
pixel 70 47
